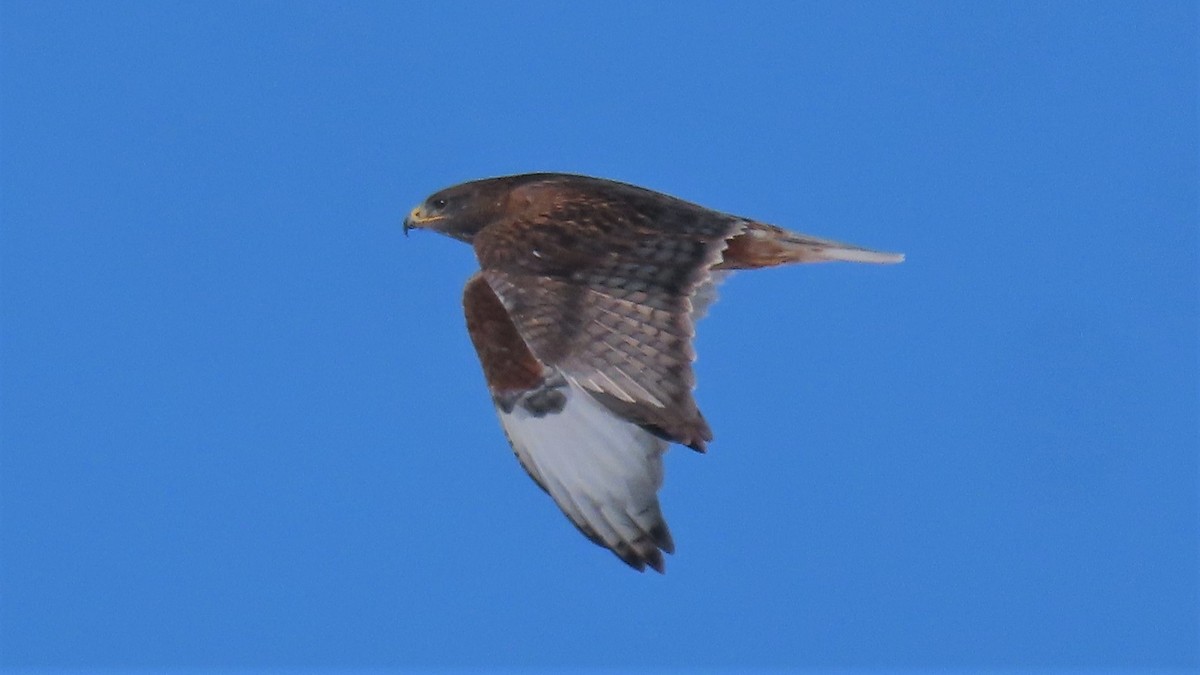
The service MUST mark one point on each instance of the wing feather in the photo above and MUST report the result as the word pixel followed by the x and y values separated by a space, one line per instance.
pixel 603 471
pixel 602 282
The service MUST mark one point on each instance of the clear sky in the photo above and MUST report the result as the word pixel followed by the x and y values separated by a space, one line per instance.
pixel 243 426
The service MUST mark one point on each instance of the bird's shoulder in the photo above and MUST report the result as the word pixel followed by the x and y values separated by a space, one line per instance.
pixel 562 223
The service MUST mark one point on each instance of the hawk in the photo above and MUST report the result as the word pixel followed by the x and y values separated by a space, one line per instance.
pixel 583 313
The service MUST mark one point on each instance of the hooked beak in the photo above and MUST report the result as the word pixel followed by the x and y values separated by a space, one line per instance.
pixel 417 219
pixel 410 221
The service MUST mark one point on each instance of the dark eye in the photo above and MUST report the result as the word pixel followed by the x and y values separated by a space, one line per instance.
pixel 438 204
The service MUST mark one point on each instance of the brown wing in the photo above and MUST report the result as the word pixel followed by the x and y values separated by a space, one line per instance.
pixel 598 278
pixel 603 471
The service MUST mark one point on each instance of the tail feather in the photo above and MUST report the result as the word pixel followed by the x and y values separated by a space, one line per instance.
pixel 762 245
pixel 811 249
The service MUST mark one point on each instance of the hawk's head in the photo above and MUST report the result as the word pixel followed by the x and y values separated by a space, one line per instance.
pixel 462 210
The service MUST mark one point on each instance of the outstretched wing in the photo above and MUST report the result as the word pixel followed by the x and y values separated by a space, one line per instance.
pixel 599 279
pixel 603 471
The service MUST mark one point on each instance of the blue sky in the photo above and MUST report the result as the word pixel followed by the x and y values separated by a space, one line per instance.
pixel 243 426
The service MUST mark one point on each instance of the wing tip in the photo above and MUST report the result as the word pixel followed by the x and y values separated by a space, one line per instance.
pixel 648 550
pixel 641 560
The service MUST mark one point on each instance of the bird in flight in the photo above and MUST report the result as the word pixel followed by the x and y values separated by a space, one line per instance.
pixel 583 313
